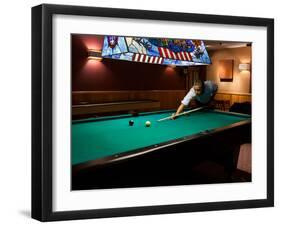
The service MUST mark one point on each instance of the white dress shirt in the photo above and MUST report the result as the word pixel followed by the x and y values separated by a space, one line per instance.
pixel 210 89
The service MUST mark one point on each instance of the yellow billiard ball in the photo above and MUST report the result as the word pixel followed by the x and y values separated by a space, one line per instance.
pixel 147 123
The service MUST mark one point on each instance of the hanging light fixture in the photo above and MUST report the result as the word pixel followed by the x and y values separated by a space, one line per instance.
pixel 163 51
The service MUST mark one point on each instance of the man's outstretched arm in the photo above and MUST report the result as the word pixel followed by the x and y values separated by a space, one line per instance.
pixel 179 110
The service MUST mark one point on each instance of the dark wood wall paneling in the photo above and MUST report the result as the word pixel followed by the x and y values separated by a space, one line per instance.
pixel 169 99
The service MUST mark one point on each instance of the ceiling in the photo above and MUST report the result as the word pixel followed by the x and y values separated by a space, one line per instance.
pixel 215 45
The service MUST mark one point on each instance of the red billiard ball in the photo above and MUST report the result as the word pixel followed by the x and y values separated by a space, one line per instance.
pixel 134 113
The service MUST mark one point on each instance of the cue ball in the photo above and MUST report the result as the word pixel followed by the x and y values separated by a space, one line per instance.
pixel 131 122
pixel 147 123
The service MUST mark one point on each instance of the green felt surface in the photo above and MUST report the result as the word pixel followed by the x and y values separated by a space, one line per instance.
pixel 96 139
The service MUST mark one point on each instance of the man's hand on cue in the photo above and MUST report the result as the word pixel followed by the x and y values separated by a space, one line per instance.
pixel 179 110
pixel 174 116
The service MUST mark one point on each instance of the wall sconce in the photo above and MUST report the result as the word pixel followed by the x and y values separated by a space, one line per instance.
pixel 244 67
pixel 94 54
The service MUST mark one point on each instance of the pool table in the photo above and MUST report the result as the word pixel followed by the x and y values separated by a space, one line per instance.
pixel 107 152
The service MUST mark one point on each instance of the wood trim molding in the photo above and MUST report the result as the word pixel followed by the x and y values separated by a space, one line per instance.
pixel 234 93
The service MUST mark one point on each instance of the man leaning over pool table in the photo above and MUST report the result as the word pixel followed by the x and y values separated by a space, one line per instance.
pixel 202 92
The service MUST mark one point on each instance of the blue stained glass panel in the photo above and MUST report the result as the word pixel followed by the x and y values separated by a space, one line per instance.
pixel 122 56
pixel 114 45
pixel 179 52
pixel 141 46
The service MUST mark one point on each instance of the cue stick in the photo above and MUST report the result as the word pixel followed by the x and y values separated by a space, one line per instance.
pixel 183 113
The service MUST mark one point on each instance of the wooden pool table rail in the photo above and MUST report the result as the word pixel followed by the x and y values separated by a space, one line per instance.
pixel 82 109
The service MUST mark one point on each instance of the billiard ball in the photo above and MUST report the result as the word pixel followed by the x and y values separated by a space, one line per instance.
pixel 135 114
pixel 147 123
pixel 131 122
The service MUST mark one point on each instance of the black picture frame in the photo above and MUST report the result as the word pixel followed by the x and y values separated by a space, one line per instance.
pixel 42 126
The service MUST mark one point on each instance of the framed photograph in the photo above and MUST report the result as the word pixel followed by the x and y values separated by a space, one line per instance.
pixel 226 70
pixel 146 112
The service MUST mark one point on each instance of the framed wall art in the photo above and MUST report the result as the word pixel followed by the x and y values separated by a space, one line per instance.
pixel 130 116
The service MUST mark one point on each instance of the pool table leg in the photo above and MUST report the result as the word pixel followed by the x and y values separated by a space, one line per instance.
pixel 231 159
